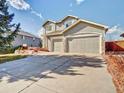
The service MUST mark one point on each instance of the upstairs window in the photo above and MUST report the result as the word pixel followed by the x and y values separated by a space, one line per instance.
pixel 68 23
pixel 49 28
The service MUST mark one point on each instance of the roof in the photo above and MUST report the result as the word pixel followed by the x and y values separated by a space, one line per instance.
pixel 54 33
pixel 60 20
pixel 26 34
pixel 68 17
pixel 122 35
pixel 48 21
pixel 76 23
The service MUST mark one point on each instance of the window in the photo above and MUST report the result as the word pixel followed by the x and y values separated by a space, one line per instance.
pixel 49 28
pixel 23 37
pixel 68 23
pixel 33 38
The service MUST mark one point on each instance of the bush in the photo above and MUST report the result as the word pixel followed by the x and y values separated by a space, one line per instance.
pixel 17 47
pixel 8 49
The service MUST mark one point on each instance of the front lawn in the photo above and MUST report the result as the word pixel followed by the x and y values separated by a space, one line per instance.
pixel 10 57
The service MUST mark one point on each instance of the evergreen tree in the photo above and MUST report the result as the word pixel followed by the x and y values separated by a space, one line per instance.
pixel 6 33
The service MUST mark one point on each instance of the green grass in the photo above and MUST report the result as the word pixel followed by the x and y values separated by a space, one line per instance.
pixel 7 58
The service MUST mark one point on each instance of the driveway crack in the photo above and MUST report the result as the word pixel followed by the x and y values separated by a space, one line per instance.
pixel 44 76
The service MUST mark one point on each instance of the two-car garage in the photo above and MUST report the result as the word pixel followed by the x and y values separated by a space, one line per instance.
pixel 78 44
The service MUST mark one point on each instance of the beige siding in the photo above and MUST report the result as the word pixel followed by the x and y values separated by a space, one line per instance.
pixel 61 26
pixel 53 27
pixel 56 37
pixel 83 29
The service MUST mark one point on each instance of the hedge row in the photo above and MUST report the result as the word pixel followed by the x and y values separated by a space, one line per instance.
pixel 8 49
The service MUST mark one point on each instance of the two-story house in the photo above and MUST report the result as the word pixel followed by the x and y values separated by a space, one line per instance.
pixel 74 35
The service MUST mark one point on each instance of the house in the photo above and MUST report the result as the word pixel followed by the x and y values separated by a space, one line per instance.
pixel 74 35
pixel 26 38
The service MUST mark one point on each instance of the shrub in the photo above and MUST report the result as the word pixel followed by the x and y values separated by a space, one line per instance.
pixel 17 47
pixel 8 49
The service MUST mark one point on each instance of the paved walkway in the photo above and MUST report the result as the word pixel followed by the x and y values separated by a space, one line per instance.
pixel 55 74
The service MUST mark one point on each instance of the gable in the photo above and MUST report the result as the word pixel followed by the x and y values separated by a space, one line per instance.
pixel 83 28
pixel 68 20
pixel 50 24
pixel 69 17
pixel 47 22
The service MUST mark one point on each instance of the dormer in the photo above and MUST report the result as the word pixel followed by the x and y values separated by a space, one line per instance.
pixel 69 20
pixel 66 22
pixel 49 26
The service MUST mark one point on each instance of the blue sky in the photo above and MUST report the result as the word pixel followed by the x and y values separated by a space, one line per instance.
pixel 32 13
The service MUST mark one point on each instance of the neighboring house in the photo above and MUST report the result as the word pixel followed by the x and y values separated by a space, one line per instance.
pixel 74 35
pixel 26 38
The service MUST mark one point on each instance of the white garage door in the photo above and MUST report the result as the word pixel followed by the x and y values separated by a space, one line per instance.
pixel 89 44
pixel 57 45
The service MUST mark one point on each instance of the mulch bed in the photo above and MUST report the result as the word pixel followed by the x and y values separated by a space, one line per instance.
pixel 115 66
pixel 31 50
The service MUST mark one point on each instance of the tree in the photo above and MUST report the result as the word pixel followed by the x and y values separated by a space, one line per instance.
pixel 122 35
pixel 6 25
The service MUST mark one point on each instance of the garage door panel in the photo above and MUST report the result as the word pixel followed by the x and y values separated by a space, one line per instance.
pixel 75 45
pixel 83 44
pixel 57 45
pixel 92 45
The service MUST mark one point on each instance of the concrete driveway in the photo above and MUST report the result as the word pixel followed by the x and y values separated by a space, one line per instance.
pixel 56 74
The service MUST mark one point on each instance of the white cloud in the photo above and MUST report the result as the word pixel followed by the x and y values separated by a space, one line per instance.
pixel 79 1
pixel 40 32
pixel 114 33
pixel 113 29
pixel 23 5
pixel 19 4
pixel 37 14
pixel 70 5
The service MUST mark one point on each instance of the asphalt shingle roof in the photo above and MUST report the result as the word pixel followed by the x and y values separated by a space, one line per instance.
pixel 26 34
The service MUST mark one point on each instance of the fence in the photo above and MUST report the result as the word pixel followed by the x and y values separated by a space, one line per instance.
pixel 114 45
